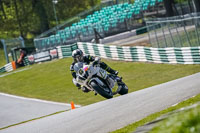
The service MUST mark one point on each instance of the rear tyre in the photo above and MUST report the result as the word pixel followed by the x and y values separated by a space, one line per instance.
pixel 105 92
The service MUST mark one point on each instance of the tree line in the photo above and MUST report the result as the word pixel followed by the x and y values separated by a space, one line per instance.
pixel 32 17
pixel 171 9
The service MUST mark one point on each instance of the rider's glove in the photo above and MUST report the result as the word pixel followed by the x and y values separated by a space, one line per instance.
pixel 96 61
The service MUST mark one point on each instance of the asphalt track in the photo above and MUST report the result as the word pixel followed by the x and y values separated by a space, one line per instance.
pixel 115 113
pixel 14 109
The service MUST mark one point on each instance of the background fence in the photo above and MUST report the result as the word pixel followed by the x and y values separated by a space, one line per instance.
pixel 173 55
pixel 105 21
pixel 180 31
pixel 66 51
pixel 184 55
pixel 9 44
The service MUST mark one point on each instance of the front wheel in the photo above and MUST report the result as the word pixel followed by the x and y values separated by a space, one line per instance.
pixel 105 92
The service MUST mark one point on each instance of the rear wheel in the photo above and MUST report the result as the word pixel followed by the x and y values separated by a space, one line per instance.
pixel 105 92
pixel 124 89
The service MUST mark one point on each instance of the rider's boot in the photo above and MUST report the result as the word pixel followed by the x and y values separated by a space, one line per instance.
pixel 110 70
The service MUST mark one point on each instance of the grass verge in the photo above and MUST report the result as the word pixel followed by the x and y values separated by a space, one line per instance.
pixel 53 81
pixel 187 121
pixel 33 119
pixel 132 127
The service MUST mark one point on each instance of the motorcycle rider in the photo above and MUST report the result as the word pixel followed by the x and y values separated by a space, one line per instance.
pixel 79 57
pixel 20 61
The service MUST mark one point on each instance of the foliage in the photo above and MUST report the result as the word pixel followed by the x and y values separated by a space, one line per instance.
pixel 32 17
pixel 29 18
pixel 183 122
pixel 180 1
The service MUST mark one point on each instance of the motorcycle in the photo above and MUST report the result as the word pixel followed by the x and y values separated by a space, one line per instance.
pixel 96 79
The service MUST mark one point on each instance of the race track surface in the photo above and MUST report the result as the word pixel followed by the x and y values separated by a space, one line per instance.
pixel 16 109
pixel 115 113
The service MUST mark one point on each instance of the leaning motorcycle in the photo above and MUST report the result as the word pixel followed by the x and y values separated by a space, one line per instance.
pixel 96 79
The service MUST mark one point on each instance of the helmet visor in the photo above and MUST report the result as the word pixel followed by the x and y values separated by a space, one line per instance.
pixel 79 58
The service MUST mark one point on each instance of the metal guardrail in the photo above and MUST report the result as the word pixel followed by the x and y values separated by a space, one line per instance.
pixel 8 44
pixel 179 31
pixel 184 55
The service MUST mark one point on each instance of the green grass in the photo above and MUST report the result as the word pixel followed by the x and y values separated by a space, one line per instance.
pixel 184 122
pixel 53 81
pixel 33 119
pixel 2 58
pixel 132 127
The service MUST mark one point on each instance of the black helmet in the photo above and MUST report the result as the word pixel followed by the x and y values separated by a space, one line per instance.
pixel 77 55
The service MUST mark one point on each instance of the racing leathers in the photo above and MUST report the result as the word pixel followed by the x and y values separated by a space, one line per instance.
pixel 87 59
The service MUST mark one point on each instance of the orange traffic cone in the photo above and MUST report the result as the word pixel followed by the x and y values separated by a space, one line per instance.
pixel 13 65
pixel 72 105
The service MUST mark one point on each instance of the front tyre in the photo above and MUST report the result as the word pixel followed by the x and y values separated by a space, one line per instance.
pixel 105 92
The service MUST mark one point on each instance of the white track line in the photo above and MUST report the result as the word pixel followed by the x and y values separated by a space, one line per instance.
pixel 183 100
pixel 37 100
pixel 14 72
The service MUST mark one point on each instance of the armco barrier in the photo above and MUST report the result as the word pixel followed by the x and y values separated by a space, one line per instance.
pixel 8 67
pixel 66 51
pixel 184 55
pixel 42 56
pixel 2 69
pixel 12 66
pixel 26 61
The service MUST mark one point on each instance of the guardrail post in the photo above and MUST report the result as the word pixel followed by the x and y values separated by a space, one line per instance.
pixel 164 35
pixel 148 30
pixel 22 42
pixel 171 34
pixel 187 34
pixel 5 50
pixel 179 37
pixel 156 36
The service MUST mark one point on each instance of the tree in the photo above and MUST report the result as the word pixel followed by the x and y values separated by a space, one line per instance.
pixel 169 7
pixel 18 19
pixel 40 11
pixel 2 9
pixel 197 4
pixel 29 18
